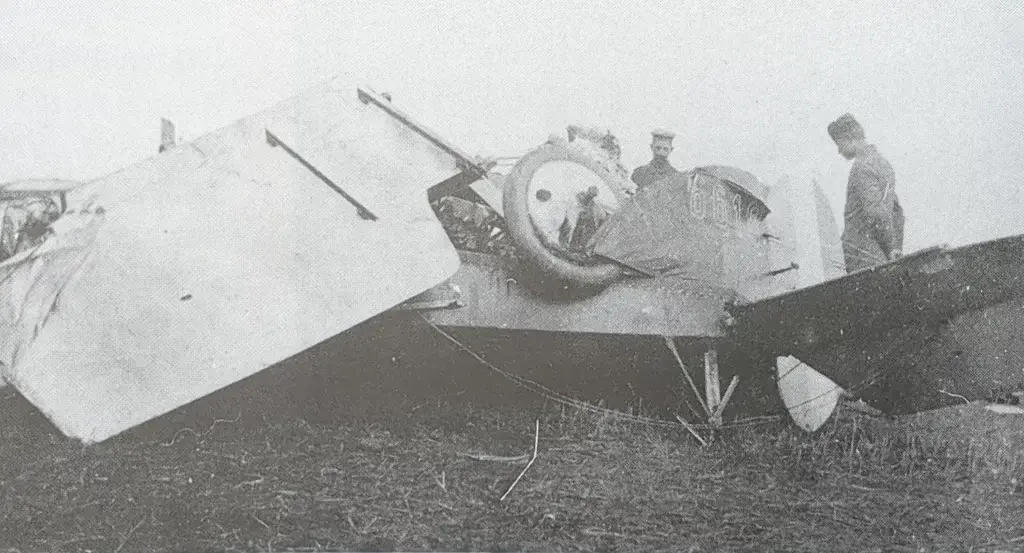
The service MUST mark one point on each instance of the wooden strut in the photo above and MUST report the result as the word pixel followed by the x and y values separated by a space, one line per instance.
pixel 712 391
pixel 716 402
pixel 462 159
pixel 713 401
pixel 360 208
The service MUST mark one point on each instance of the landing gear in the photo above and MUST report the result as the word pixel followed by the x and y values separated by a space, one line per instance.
pixel 712 401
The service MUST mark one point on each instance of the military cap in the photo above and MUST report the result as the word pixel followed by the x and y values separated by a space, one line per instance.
pixel 662 133
pixel 846 126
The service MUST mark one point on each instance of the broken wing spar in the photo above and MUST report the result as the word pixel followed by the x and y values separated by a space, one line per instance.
pixel 221 257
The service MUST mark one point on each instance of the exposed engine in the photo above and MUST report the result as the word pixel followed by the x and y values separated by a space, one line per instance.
pixel 474 227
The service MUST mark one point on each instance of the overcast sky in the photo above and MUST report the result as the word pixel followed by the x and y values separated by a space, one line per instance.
pixel 938 86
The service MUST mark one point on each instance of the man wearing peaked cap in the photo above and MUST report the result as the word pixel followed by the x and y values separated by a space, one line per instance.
pixel 659 167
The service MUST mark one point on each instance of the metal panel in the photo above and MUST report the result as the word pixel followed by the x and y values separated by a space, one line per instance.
pixel 491 298
pixel 691 224
pixel 217 259
pixel 737 177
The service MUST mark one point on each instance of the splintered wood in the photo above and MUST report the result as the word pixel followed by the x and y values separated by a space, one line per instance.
pixel 711 401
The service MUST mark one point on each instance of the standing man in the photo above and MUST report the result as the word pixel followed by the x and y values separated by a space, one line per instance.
pixel 591 216
pixel 873 230
pixel 659 167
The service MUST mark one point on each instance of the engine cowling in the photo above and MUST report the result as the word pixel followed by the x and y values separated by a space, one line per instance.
pixel 546 270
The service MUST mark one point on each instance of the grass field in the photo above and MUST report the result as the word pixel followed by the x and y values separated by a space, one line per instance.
pixel 434 480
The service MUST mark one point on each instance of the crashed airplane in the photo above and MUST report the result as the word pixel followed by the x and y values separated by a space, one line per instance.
pixel 180 275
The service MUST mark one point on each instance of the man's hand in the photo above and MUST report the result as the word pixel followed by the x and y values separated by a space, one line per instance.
pixel 895 254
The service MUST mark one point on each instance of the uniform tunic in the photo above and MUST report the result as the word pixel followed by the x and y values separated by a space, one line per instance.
pixel 873 217
pixel 653 172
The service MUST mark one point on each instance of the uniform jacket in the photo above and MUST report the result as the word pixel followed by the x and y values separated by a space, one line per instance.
pixel 653 172
pixel 873 216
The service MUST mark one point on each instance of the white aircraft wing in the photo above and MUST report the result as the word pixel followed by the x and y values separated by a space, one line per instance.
pixel 196 268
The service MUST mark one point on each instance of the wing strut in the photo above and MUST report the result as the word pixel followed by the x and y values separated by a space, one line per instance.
pixel 360 208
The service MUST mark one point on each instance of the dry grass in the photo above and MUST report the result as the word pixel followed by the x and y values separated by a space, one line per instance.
pixel 432 483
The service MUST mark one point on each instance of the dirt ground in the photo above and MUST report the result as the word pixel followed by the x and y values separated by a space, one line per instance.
pixel 433 479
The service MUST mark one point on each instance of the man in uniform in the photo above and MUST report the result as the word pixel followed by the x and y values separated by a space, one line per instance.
pixel 873 229
pixel 659 167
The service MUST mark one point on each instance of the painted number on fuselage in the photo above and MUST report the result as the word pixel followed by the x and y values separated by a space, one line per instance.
pixel 712 201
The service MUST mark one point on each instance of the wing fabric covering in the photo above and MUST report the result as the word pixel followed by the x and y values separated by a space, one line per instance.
pixel 926 331
pixel 194 269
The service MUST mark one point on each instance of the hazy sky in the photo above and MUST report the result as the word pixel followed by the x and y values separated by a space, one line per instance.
pixel 939 88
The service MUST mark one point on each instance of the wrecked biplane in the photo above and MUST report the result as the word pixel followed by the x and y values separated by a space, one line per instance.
pixel 192 270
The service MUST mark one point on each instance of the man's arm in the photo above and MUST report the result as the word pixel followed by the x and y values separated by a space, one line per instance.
pixel 876 201
pixel 635 177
